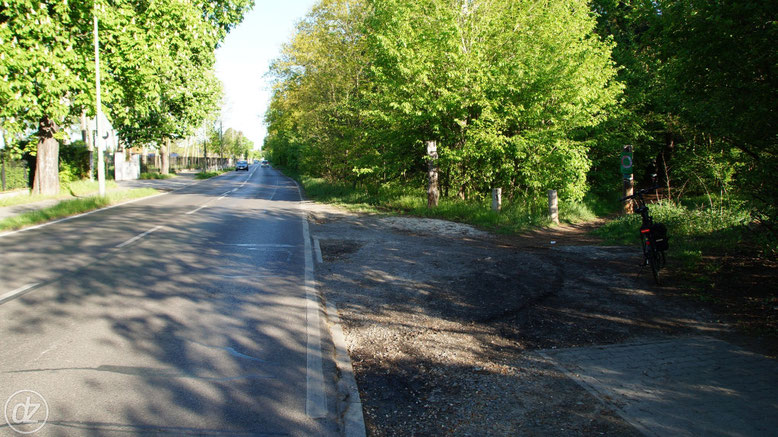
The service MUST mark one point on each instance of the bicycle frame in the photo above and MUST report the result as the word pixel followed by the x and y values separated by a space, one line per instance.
pixel 651 255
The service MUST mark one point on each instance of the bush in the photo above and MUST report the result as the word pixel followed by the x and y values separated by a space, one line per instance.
pixel 155 176
pixel 74 160
pixel 694 229
pixel 17 175
pixel 67 173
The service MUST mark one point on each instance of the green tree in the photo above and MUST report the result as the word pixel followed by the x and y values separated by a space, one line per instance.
pixel 39 59
pixel 503 86
pixel 318 79
pixel 157 67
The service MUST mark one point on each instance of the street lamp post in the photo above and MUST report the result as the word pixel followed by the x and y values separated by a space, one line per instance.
pixel 98 110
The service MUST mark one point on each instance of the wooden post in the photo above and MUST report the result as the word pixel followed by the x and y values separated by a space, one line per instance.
pixel 2 158
pixel 496 199
pixel 628 181
pixel 553 207
pixel 433 193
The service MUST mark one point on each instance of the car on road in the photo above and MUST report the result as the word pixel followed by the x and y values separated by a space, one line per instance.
pixel 242 165
pixel 265 163
pixel 256 161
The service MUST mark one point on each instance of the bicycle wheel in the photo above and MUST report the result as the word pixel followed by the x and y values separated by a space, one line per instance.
pixel 654 260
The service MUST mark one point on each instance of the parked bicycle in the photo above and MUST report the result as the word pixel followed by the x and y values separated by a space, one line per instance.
pixel 653 236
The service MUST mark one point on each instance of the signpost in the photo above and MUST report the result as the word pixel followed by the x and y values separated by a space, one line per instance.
pixel 626 161
pixel 626 171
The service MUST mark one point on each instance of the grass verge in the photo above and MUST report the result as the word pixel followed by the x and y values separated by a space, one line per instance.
pixel 72 189
pixel 155 176
pixel 516 215
pixel 71 207
pixel 210 174
pixel 695 230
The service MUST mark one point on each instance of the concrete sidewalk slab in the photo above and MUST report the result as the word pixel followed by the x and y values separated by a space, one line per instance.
pixel 682 387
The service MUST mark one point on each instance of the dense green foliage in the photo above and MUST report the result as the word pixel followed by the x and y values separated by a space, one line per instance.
pixel 530 96
pixel 157 61
pixel 701 97
pixel 695 228
pixel 230 143
pixel 507 108
pixel 16 175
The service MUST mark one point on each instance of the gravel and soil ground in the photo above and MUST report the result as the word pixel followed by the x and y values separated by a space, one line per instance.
pixel 443 322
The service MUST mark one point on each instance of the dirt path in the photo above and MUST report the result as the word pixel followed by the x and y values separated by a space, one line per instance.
pixel 444 322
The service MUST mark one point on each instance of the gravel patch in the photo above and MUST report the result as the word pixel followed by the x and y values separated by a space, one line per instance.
pixel 444 323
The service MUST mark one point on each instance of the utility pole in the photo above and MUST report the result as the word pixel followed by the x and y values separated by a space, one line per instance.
pixel 98 110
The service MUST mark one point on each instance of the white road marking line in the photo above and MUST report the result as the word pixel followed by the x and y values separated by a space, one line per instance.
pixel 259 245
pixel 315 399
pixel 11 294
pixel 275 188
pixel 197 209
pixel 138 237
pixel 206 204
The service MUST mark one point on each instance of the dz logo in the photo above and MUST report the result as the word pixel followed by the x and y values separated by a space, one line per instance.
pixel 26 411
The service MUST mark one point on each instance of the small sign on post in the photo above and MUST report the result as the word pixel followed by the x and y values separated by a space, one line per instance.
pixel 626 161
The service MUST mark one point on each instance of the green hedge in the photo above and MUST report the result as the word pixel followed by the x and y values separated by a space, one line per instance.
pixel 16 175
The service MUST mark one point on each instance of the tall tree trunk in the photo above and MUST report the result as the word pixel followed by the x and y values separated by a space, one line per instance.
pixel 163 152
pixel 663 161
pixel 47 163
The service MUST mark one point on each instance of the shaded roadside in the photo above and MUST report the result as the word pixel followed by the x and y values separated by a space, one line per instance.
pixel 450 330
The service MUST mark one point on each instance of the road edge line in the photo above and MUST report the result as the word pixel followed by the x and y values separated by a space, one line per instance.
pixel 349 409
pixel 24 289
pixel 316 398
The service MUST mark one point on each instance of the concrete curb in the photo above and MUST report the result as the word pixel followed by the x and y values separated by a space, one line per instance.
pixel 349 403
pixel 351 406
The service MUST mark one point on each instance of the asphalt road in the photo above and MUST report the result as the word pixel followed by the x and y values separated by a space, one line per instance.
pixel 187 313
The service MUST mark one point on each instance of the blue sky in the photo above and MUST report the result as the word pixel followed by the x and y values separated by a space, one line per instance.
pixel 244 58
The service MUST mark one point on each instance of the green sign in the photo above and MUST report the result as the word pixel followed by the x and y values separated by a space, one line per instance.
pixel 626 163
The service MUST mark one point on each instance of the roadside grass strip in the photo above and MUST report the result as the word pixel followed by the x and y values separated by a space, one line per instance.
pixel 214 173
pixel 67 191
pixel 516 215
pixel 156 176
pixel 72 207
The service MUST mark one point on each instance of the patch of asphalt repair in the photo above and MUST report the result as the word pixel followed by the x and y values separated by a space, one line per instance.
pixel 453 331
